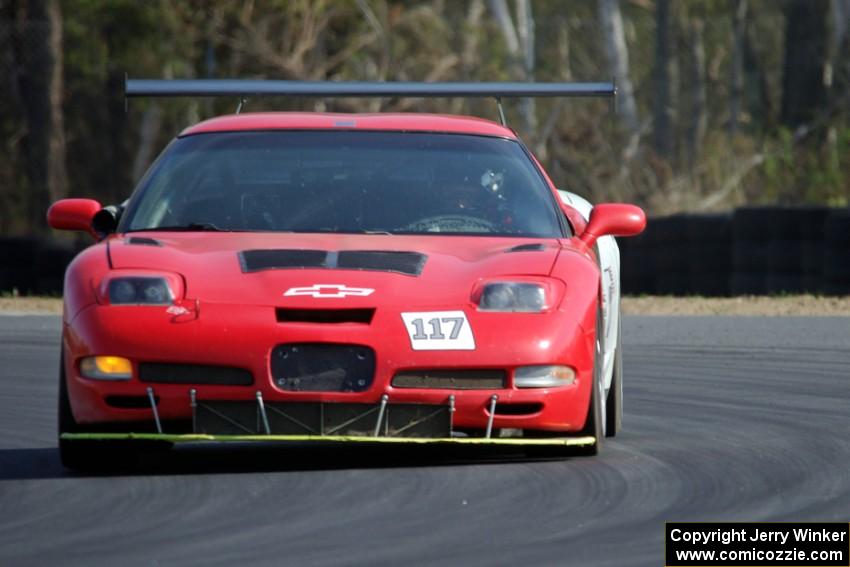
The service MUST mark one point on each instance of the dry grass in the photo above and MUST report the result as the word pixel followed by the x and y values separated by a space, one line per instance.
pixel 649 305
pixel 31 305
pixel 745 305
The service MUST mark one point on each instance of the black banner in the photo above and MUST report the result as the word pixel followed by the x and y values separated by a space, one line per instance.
pixel 757 544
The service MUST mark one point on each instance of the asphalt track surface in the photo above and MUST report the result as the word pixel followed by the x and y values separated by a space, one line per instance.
pixel 726 419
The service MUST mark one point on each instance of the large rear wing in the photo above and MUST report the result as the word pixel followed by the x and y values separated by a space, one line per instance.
pixel 244 88
pixel 329 89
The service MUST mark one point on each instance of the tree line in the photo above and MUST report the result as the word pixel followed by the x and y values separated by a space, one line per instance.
pixel 721 102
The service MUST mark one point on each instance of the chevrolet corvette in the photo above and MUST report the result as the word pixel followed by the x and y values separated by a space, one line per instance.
pixel 342 277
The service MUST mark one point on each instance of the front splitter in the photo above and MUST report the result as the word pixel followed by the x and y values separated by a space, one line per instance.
pixel 202 438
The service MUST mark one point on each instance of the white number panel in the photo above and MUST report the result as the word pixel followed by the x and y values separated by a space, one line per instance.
pixel 439 330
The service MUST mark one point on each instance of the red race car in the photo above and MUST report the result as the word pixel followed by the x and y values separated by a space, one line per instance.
pixel 341 277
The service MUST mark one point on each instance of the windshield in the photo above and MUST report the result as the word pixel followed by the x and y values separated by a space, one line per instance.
pixel 347 182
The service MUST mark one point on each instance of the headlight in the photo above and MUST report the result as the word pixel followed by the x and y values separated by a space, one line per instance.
pixel 513 296
pixel 543 376
pixel 139 291
pixel 140 287
pixel 106 368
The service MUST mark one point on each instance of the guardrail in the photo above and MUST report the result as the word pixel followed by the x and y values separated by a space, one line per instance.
pixel 751 251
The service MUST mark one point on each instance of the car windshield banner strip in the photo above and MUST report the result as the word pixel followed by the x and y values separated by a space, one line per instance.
pixel 257 87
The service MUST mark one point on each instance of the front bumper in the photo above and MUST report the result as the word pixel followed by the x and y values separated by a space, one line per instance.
pixel 245 336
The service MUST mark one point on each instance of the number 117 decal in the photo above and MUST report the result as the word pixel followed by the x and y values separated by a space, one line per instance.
pixel 439 330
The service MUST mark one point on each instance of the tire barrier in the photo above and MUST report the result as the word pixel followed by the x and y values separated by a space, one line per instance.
pixel 785 252
pixel 17 263
pixel 836 257
pixel 751 251
pixel 813 236
pixel 35 266
pixel 751 235
pixel 635 262
pixel 710 254
pixel 672 259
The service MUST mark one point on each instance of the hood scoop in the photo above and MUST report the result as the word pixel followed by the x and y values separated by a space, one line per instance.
pixel 531 247
pixel 258 260
pixel 407 263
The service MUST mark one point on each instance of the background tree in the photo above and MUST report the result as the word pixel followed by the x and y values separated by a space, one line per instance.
pixel 39 83
pixel 739 21
pixel 663 134
pixel 721 102
pixel 519 41
pixel 804 82
pixel 617 51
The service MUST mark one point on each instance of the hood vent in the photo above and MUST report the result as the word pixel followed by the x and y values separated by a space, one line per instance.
pixel 532 247
pixel 407 263
pixel 258 260
pixel 143 241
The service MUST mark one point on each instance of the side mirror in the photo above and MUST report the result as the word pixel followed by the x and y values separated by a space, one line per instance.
pixel 105 221
pixel 613 219
pixel 73 214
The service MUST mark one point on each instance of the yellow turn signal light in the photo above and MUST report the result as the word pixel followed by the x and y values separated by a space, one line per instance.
pixel 106 368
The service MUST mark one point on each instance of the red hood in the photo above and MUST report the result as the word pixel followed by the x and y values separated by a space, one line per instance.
pixel 210 264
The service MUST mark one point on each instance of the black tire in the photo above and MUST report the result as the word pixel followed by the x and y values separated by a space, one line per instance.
pixel 17 255
pixel 752 224
pixel 709 250
pixel 748 283
pixel 614 401
pixel 594 424
pixel 89 455
pixel 596 421
pixel 637 263
pixel 673 283
pixel 75 455
pixel 836 268
pixel 712 285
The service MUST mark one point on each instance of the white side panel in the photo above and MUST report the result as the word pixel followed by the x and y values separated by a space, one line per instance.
pixel 609 259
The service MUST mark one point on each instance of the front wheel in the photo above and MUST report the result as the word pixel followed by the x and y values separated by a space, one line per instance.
pixel 86 455
pixel 614 401
pixel 597 420
pixel 75 455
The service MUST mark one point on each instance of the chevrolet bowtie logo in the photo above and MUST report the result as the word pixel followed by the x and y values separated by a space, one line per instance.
pixel 328 291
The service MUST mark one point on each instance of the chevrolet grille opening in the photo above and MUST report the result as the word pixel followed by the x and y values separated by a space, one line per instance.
pixel 169 373
pixel 464 379
pixel 325 316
